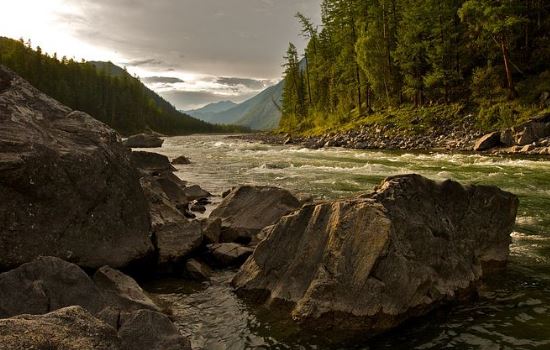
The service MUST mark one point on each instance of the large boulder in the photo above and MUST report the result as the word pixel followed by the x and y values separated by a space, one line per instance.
pixel 367 264
pixel 71 328
pixel 47 284
pixel 143 141
pixel 67 187
pixel 248 209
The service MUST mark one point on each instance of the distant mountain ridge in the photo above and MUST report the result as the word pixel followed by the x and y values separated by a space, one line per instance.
pixel 210 109
pixel 261 112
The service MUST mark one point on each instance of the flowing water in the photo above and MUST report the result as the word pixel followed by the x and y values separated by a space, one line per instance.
pixel 513 311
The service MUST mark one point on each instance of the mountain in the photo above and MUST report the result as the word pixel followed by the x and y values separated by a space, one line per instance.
pixel 103 90
pixel 210 109
pixel 260 112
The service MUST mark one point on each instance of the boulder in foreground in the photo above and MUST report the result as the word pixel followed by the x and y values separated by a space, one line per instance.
pixel 71 328
pixel 67 187
pixel 365 265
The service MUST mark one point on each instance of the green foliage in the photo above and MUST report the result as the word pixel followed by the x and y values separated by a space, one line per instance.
pixel 376 56
pixel 104 91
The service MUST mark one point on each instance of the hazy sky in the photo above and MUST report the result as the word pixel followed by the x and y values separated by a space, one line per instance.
pixel 191 51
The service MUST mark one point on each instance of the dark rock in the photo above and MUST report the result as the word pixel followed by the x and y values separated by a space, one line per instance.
pixel 195 192
pixel 71 328
pixel 487 142
pixel 197 270
pixel 248 209
pixel 226 193
pixel 182 160
pixel 198 208
pixel 122 291
pixel 365 265
pixel 177 240
pixel 47 284
pixel 67 185
pixel 143 141
pixel 229 254
pixel 507 138
pixel 151 162
pixel 189 214
pixel 212 230
pixel 146 329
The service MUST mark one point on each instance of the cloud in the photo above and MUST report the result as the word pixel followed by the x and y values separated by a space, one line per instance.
pixel 163 80
pixel 221 38
pixel 245 82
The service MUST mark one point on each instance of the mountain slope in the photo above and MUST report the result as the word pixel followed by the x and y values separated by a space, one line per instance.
pixel 205 112
pixel 260 112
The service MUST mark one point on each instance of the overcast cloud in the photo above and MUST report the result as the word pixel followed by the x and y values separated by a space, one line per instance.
pixel 236 43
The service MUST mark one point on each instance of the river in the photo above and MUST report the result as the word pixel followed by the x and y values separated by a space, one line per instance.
pixel 513 311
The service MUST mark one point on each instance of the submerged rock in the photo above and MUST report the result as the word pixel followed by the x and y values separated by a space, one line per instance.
pixel 67 186
pixel 248 209
pixel 365 265
pixel 181 160
pixel 143 141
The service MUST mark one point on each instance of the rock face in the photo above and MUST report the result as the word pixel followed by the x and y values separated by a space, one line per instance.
pixel 67 187
pixel 487 142
pixel 367 264
pixel 143 141
pixel 71 328
pixel 248 209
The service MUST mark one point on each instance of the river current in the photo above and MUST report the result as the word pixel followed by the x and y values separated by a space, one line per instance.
pixel 513 311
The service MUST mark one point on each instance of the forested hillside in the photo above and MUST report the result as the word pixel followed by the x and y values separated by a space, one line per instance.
pixel 382 56
pixel 118 100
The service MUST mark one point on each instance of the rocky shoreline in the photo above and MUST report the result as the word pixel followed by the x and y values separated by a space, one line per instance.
pixel 531 138
pixel 82 215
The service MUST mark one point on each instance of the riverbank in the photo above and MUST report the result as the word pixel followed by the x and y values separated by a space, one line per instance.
pixel 446 138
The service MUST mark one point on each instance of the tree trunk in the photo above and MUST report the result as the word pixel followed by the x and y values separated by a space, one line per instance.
pixel 509 78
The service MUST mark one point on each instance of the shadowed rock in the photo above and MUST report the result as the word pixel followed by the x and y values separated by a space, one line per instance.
pixel 150 330
pixel 248 209
pixel 143 141
pixel 67 186
pixel 47 284
pixel 122 291
pixel 365 265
